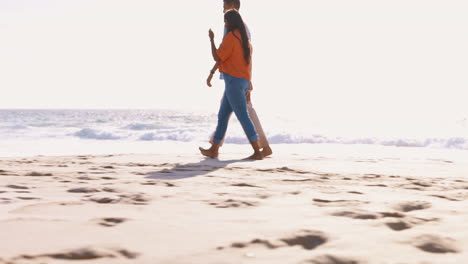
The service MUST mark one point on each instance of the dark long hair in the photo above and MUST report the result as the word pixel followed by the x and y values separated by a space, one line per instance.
pixel 234 21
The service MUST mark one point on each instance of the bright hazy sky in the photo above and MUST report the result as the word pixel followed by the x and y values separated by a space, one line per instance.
pixel 386 59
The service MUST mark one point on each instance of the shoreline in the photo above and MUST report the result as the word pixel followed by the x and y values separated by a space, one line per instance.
pixel 98 147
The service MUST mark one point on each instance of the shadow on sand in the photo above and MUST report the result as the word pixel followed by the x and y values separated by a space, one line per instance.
pixel 188 170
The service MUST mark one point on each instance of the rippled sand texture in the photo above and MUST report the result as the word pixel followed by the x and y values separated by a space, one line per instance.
pixel 291 208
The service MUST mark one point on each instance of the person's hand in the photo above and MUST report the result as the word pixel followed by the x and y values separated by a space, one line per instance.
pixel 250 87
pixel 208 80
pixel 211 34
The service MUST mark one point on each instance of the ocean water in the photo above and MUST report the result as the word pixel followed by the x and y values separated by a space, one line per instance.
pixel 43 132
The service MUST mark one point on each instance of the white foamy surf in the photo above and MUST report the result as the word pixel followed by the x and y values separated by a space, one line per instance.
pixel 124 128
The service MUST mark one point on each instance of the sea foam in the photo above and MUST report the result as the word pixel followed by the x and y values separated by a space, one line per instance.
pixel 173 126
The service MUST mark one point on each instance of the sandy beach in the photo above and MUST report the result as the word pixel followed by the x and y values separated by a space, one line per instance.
pixel 319 204
pixel 105 103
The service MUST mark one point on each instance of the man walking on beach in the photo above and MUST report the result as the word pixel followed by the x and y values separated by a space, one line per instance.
pixel 266 149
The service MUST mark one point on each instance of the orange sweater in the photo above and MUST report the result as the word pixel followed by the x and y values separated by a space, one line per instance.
pixel 232 59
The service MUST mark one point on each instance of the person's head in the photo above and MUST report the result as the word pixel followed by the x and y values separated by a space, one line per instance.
pixel 231 4
pixel 233 21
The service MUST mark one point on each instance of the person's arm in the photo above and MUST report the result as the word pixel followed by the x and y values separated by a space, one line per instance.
pixel 212 72
pixel 213 46
pixel 225 49
pixel 247 94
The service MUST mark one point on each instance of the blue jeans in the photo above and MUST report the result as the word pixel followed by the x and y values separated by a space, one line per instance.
pixel 234 101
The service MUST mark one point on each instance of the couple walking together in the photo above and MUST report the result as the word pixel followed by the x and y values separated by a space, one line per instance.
pixel 234 61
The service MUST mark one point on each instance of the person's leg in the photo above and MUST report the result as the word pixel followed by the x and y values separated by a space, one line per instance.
pixel 212 135
pixel 224 114
pixel 257 155
pixel 263 141
pixel 235 93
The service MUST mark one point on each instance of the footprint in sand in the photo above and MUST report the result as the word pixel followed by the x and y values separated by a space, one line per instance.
pixel 422 184
pixel 408 222
pixel 88 253
pixel 83 190
pixel 149 183
pixel 376 185
pixel 300 180
pixel 329 259
pixel 325 202
pixel 399 225
pixel 18 187
pixel 399 222
pixel 28 198
pixel 392 214
pixel 307 239
pixel 137 199
pixel 457 197
pixel 111 190
pixel 245 185
pixel 105 199
pixel 5 173
pixel 412 206
pixel 357 214
pixel 111 221
pixel 257 241
pixel 38 174
pixel 328 175
pixel 86 178
pixel 108 178
pixel 25 162
pixel 435 244
pixel 371 176
pixel 138 165
pixel 262 196
pixel 283 169
pixel 286 169
pixel 5 200
pixel 158 183
pixel 168 184
pixel 231 203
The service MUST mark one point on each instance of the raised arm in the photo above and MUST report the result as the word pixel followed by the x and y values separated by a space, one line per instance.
pixel 213 46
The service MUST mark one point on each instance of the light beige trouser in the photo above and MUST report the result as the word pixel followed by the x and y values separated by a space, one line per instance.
pixel 262 140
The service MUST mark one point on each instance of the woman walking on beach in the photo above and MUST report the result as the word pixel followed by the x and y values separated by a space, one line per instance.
pixel 235 62
pixel 229 5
